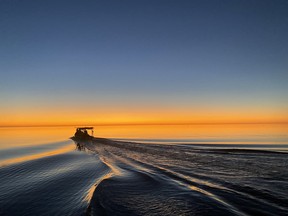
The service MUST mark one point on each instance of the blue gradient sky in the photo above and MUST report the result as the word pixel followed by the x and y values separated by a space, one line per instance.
pixel 122 56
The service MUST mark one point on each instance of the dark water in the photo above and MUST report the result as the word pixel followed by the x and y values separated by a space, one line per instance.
pixel 123 178
pixel 54 184
pixel 184 180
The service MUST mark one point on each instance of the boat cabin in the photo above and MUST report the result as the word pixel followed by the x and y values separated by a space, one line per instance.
pixel 82 132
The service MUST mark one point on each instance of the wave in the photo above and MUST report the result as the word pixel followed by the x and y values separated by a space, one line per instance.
pixel 55 184
pixel 109 177
pixel 180 180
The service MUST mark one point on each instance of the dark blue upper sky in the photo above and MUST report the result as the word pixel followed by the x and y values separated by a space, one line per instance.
pixel 208 52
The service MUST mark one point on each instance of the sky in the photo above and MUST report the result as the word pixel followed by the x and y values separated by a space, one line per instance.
pixel 143 62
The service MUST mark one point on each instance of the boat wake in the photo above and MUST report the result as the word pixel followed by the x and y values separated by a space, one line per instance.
pixel 109 177
pixel 151 179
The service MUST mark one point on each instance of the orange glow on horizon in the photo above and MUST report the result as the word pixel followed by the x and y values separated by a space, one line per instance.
pixel 74 121
pixel 139 116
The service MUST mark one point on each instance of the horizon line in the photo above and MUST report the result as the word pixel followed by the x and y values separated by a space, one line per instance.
pixel 140 124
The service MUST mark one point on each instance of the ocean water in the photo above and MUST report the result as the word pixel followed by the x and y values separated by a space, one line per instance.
pixel 172 170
